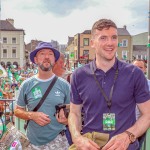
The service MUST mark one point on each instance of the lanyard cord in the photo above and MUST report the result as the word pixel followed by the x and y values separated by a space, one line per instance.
pixel 108 101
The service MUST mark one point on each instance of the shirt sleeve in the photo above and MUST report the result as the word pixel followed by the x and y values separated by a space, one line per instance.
pixel 20 101
pixel 74 95
pixel 141 90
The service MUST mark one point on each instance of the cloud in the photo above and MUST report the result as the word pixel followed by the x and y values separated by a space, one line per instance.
pixel 58 19
pixel 59 8
pixel 138 8
pixel 139 13
pixel 65 7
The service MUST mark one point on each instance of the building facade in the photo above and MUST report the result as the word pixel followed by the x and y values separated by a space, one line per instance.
pixel 124 51
pixel 12 47
pixel 139 46
pixel 28 49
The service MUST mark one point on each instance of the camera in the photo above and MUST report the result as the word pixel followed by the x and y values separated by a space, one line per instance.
pixel 64 107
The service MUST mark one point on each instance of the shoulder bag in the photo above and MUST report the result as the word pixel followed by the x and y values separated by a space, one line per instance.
pixel 42 99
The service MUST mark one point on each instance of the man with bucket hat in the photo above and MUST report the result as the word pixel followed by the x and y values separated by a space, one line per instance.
pixel 44 130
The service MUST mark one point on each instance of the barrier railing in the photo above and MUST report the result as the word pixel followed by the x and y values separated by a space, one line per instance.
pixel 3 103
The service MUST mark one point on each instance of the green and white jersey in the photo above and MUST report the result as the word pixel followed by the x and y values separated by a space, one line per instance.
pixel 34 88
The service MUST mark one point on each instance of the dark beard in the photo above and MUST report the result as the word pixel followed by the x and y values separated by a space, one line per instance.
pixel 44 68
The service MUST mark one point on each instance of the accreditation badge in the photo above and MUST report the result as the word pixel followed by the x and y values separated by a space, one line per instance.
pixel 109 121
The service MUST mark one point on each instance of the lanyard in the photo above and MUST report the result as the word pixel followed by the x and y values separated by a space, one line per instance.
pixel 108 100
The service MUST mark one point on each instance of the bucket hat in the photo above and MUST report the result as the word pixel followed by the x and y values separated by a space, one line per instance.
pixel 44 45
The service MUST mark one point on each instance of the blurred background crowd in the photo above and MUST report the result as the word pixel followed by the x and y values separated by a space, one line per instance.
pixel 11 78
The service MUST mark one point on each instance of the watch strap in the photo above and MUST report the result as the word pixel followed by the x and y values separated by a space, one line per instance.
pixel 130 134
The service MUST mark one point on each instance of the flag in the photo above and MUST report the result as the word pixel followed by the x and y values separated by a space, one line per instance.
pixel 3 72
pixel 10 75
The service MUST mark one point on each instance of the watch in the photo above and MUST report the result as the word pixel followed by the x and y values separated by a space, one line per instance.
pixel 132 137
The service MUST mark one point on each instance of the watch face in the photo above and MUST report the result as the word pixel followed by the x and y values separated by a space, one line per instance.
pixel 132 138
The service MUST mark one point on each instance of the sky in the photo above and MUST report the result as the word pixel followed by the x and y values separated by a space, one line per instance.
pixel 57 20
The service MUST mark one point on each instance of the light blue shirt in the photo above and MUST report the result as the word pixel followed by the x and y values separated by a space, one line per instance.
pixel 34 88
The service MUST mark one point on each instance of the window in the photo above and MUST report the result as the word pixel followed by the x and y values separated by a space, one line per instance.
pixel 124 55
pixel 4 53
pixel 14 40
pixel 86 41
pixel 4 40
pixel 124 43
pixel 86 53
pixel 13 53
pixel 145 57
pixel 119 44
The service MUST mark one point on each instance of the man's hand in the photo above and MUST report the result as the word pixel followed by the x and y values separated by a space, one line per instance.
pixel 61 117
pixel 118 142
pixel 83 143
pixel 40 118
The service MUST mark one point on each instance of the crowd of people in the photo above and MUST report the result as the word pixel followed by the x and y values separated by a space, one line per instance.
pixel 105 91
pixel 10 80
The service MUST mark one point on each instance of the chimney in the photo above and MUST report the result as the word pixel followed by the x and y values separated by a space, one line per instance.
pixel 11 21
pixel 125 27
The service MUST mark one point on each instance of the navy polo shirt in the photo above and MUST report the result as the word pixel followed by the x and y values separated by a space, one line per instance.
pixel 130 88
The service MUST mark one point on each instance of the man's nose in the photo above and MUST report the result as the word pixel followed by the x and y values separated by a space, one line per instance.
pixel 109 41
pixel 47 56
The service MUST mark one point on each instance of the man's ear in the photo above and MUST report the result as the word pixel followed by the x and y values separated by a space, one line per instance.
pixel 35 60
pixel 92 43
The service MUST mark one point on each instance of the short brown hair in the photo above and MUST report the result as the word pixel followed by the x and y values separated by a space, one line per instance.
pixel 101 24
